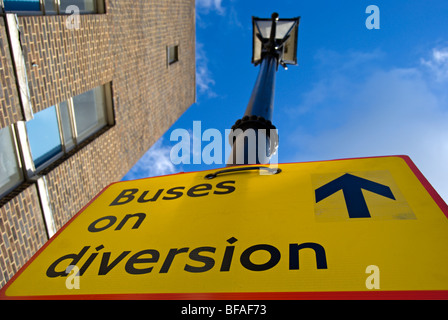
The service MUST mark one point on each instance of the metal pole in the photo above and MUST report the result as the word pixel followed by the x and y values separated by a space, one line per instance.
pixel 255 129
pixel 261 102
pixel 254 138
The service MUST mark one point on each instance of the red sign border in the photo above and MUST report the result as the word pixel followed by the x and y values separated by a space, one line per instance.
pixel 334 295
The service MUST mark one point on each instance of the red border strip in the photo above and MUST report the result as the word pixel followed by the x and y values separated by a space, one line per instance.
pixel 432 192
pixel 343 295
pixel 332 295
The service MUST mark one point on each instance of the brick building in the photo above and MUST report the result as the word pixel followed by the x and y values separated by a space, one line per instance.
pixel 82 98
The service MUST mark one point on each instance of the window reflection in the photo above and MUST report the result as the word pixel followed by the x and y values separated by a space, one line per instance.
pixel 10 170
pixel 90 112
pixel 43 136
pixel 21 5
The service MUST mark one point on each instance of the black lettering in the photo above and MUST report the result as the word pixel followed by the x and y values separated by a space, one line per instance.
pixel 193 192
pixel 105 267
pixel 170 257
pixel 135 259
pixel 127 195
pixel 51 271
pixel 228 255
pixel 321 259
pixel 195 256
pixel 222 185
pixel 89 260
pixel 142 199
pixel 141 218
pixel 176 194
pixel 93 228
pixel 245 257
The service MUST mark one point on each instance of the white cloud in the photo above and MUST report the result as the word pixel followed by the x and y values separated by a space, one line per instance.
pixel 204 78
pixel 210 5
pixel 228 14
pixel 385 112
pixel 155 162
pixel 438 63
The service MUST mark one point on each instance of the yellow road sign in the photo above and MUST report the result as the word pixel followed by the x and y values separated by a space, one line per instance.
pixel 353 228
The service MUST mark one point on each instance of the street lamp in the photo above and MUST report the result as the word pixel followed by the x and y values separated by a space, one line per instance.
pixel 274 44
pixel 275 36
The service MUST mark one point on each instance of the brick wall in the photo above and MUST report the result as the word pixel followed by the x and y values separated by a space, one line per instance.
pixel 62 62
pixel 126 46
pixel 10 110
pixel 22 232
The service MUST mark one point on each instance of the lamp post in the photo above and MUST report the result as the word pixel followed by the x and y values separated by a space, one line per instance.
pixel 254 138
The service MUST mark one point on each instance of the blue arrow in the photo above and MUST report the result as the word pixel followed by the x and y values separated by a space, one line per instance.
pixel 354 199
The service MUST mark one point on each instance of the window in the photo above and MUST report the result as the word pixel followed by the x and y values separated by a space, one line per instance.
pixel 90 112
pixel 22 5
pixel 28 147
pixel 10 169
pixel 58 129
pixel 43 136
pixel 172 54
pixel 49 7
pixel 85 6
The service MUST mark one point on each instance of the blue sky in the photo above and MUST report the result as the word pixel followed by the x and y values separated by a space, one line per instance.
pixel 356 92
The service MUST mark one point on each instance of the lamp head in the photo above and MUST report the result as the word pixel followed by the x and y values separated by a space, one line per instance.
pixel 277 37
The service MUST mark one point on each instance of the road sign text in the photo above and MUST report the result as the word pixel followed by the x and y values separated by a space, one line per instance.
pixel 142 262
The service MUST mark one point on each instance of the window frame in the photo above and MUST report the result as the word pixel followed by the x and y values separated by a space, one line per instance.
pixel 174 47
pixel 53 158
pixel 99 5
pixel 18 158
pixel 78 140
pixel 79 137
pixel 22 150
